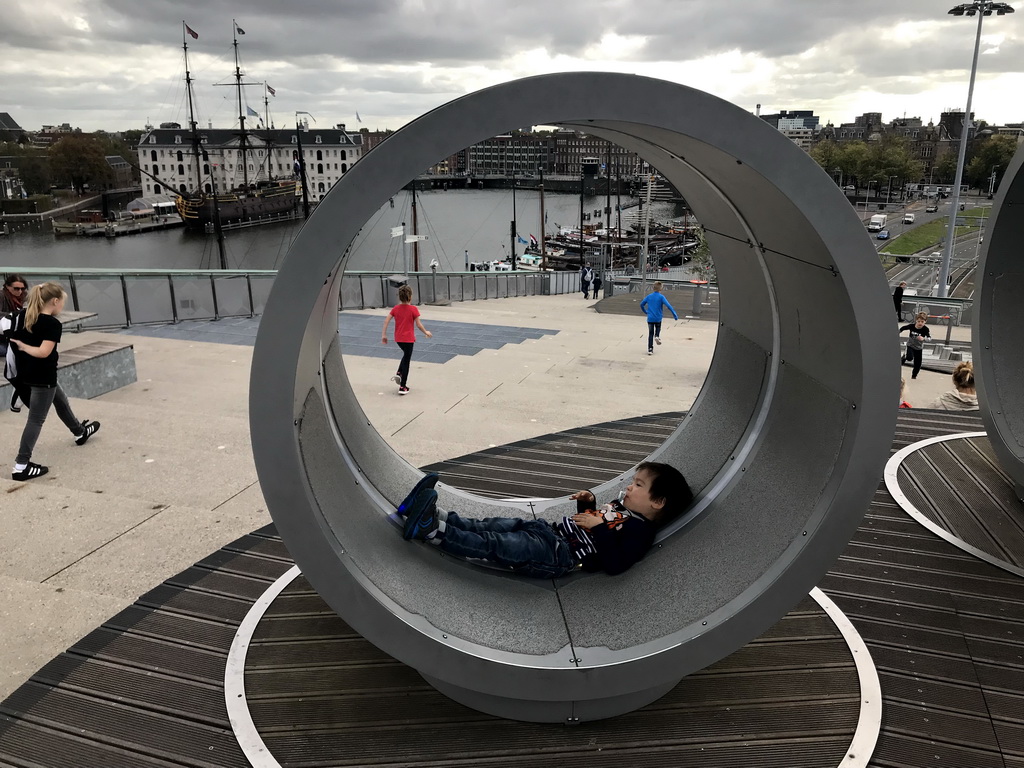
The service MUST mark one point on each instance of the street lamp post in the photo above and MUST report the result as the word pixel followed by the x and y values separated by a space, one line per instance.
pixel 867 192
pixel 888 189
pixel 981 9
pixel 992 182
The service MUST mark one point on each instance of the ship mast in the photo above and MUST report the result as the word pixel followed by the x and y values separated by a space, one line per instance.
pixel 191 108
pixel 270 136
pixel 241 115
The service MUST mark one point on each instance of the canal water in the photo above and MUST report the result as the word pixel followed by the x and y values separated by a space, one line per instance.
pixel 454 221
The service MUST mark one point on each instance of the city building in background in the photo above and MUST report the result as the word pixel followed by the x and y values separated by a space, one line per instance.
pixel 167 159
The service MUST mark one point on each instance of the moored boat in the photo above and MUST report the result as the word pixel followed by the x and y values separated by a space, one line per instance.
pixel 275 199
pixel 260 197
pixel 79 223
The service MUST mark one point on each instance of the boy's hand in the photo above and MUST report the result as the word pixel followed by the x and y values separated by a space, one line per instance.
pixel 584 520
pixel 383 339
pixel 428 334
pixel 585 496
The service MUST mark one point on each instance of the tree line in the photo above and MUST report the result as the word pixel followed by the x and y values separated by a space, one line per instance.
pixel 72 162
pixel 860 163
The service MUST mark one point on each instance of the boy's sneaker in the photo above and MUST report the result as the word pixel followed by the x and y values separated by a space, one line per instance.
pixel 657 340
pixel 403 390
pixel 397 379
pixel 31 470
pixel 421 520
pixel 90 428
pixel 650 351
pixel 427 481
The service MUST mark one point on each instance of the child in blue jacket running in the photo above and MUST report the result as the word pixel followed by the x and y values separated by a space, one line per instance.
pixel 654 305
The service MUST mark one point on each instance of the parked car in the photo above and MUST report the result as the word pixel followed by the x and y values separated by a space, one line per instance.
pixel 850 188
pixel 883 235
pixel 933 208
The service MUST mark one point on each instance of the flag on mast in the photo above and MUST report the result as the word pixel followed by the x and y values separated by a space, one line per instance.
pixel 358 118
pixel 238 29
pixel 271 91
pixel 195 35
pixel 251 112
pixel 533 241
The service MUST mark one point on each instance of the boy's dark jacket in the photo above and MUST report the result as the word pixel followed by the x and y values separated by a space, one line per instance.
pixel 620 545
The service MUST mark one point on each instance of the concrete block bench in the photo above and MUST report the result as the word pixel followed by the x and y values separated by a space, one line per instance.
pixel 92 369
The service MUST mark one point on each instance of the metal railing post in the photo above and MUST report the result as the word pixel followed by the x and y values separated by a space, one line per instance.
pixel 213 289
pixel 127 308
pixel 74 293
pixel 174 299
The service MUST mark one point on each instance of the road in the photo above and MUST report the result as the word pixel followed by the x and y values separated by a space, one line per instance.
pixel 922 279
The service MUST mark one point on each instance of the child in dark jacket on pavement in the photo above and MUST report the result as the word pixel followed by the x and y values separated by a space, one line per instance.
pixel 609 539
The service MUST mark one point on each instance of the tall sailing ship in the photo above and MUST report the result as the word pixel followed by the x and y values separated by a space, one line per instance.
pixel 258 195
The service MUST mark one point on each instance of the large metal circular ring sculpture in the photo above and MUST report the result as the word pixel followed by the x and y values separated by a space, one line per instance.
pixel 999 318
pixel 785 444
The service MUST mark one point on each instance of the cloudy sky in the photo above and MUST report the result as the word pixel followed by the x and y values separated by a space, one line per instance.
pixel 116 64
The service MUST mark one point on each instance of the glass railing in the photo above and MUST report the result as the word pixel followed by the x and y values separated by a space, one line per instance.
pixel 122 298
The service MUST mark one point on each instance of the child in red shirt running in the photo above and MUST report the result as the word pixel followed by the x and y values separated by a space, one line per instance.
pixel 406 316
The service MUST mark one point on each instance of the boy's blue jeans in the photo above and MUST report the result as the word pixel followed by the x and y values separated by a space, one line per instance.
pixel 530 547
pixel 653 329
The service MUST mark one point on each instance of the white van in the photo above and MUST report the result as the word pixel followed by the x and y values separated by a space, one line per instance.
pixel 908 218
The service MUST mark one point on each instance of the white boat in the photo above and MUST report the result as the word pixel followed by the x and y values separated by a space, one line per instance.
pixel 528 262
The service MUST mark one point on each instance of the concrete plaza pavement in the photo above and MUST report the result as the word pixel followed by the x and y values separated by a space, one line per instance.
pixel 170 478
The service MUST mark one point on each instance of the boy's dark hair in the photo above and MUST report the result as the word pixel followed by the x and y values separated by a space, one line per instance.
pixel 405 293
pixel 668 485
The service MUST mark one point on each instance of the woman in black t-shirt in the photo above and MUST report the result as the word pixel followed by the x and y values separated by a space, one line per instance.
pixel 35 345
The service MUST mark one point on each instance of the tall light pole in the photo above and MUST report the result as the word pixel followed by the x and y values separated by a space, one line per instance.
pixel 981 9
pixel 867 192
pixel 992 181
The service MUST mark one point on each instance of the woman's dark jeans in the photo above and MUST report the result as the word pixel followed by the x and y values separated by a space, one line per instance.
pixel 38 408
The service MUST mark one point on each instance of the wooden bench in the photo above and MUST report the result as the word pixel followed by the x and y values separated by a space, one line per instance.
pixel 72 321
pixel 92 369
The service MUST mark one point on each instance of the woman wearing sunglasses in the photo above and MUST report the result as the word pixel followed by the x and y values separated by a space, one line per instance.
pixel 12 299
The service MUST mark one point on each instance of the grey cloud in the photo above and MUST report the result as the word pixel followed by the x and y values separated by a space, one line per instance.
pixel 300 45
